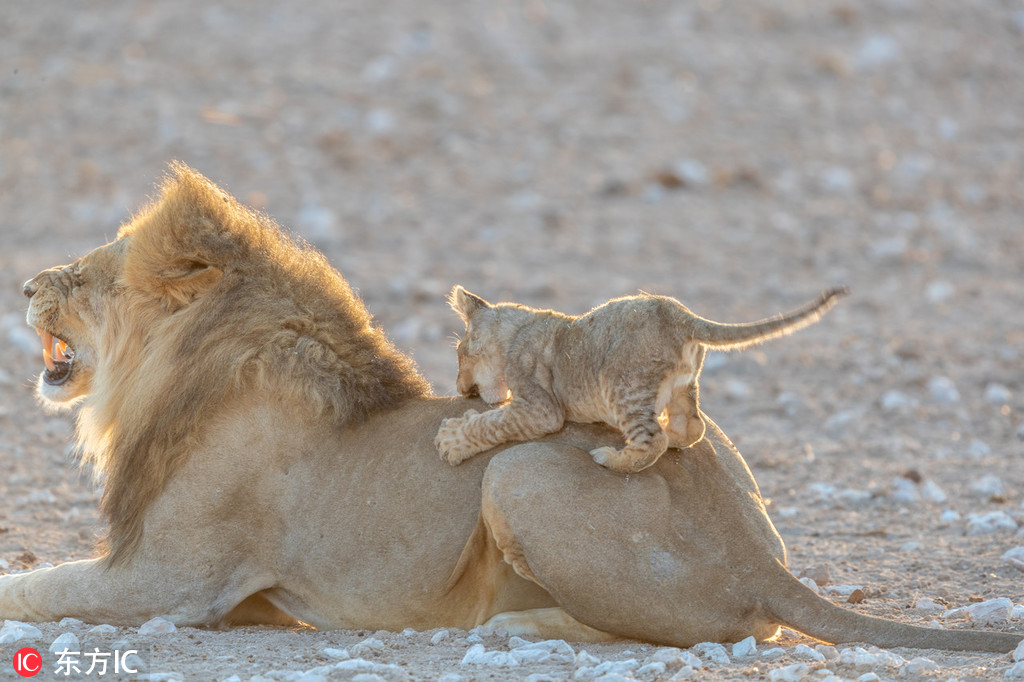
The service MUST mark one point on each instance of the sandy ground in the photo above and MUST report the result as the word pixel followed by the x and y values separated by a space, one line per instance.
pixel 740 156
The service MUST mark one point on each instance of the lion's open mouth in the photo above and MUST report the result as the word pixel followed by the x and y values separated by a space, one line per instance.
pixel 58 356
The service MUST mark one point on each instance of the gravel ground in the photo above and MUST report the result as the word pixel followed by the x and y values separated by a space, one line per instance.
pixel 740 156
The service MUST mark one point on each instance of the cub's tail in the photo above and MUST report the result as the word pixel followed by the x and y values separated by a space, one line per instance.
pixel 734 336
pixel 796 606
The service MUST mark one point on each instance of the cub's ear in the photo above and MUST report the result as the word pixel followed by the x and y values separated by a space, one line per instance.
pixel 182 283
pixel 465 303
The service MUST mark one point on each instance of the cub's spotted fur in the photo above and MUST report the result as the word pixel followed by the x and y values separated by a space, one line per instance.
pixel 632 363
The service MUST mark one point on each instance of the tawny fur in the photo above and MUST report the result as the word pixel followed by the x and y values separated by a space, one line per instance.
pixel 202 294
pixel 633 363
pixel 302 487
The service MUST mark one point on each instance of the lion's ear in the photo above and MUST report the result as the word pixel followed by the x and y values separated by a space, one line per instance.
pixel 464 303
pixel 181 285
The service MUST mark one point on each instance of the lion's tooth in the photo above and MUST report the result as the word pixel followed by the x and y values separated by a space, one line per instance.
pixel 48 350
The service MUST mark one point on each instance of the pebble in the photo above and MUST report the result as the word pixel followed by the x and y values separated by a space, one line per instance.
pixel 978 449
pixel 712 652
pixel 14 631
pixel 943 391
pixel 745 647
pixel 1015 672
pixel 478 655
pixel 997 394
pixel 68 623
pixel 983 613
pixel 548 651
pixel 440 636
pixel 988 486
pixel 692 172
pixel 1015 557
pixel 607 668
pixel 921 666
pixel 791 673
pixel 652 669
pixel 585 659
pixel 103 629
pixel 988 523
pixel 876 50
pixel 773 653
pixel 66 641
pixel 904 491
pixel 950 516
pixel 157 626
pixel 804 651
pixel 870 658
pixel 366 647
pixel 4 565
pixel 939 291
pixel 821 574
pixel 931 492
pixel 868 677
pixel 336 653
pixel 926 605
pixel 1018 653
pixel 895 400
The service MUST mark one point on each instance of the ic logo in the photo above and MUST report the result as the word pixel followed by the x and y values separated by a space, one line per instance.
pixel 27 662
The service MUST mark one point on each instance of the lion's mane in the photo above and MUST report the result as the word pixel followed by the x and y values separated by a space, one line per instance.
pixel 214 304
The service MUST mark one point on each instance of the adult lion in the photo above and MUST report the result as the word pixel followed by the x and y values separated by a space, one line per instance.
pixel 268 457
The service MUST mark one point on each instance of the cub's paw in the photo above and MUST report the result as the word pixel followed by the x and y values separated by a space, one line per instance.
pixel 451 442
pixel 613 459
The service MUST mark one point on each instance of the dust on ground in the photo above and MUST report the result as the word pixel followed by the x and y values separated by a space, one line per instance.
pixel 740 156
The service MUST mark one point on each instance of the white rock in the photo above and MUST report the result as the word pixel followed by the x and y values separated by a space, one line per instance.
pixel 989 523
pixel 478 655
pixel 68 623
pixel 1015 557
pixel 997 394
pixel 4 565
pixel 692 172
pixel 14 631
pixel 1015 672
pixel 939 291
pixel 1018 653
pixel 977 449
pixel 921 666
pixel 931 492
pixel 652 669
pixel 367 647
pixel 474 638
pixel 988 486
pixel 233 678
pixel 810 584
pixel 791 673
pixel 340 654
pixel 549 651
pixel 450 677
pixel 103 630
pixel 895 400
pixel 873 658
pixel 838 180
pixel 409 632
pixel 586 660
pixel 67 641
pixel 712 652
pixel 868 677
pixel 950 516
pixel 745 647
pixel 607 668
pixel 943 390
pixel 440 636
pixel 843 590
pixel 828 651
pixel 804 651
pixel 157 626
pixel 1018 612
pixel 904 491
pixel 684 673
pixel 991 611
pixel 876 50
pixel 773 653
pixel 926 605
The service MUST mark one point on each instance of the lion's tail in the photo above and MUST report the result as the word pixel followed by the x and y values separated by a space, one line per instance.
pixel 798 607
pixel 735 336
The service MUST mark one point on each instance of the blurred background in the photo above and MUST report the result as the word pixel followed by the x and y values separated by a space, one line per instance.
pixel 740 156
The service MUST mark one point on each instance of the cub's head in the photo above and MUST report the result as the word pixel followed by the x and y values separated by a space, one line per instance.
pixel 481 350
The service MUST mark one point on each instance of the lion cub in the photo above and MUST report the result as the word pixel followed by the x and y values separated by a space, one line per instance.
pixel 632 363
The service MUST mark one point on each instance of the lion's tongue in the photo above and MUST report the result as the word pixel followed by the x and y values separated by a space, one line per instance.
pixel 47 338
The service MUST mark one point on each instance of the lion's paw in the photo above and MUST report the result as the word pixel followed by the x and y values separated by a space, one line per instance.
pixel 451 443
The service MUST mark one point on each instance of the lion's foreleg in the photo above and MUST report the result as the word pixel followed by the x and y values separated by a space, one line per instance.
pixel 91 592
pixel 462 437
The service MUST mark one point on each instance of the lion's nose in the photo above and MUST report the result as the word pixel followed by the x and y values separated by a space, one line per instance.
pixel 30 288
